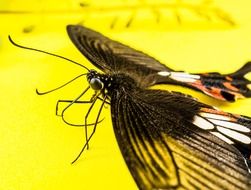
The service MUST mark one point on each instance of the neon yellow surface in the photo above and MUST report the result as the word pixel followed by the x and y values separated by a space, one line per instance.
pixel 36 147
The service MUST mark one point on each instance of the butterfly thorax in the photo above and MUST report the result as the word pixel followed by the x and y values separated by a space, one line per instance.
pixel 108 84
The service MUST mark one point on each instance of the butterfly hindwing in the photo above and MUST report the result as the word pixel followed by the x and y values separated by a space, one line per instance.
pixel 229 87
pixel 226 87
pixel 150 162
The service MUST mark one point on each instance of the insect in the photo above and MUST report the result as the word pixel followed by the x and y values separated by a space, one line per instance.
pixel 168 140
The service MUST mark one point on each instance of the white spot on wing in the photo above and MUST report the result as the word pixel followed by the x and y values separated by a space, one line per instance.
pixel 230 125
pixel 235 135
pixel 202 123
pixel 164 73
pixel 184 77
pixel 222 137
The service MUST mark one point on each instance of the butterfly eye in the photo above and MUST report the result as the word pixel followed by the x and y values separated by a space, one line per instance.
pixel 96 84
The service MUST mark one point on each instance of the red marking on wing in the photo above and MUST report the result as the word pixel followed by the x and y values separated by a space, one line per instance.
pixel 216 92
pixel 232 117
pixel 214 111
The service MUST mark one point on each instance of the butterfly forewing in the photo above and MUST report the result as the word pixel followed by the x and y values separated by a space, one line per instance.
pixel 167 151
pixel 150 162
pixel 110 55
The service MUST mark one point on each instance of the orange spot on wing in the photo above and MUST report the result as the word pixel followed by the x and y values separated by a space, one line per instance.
pixel 230 86
pixel 232 119
pixel 214 92
pixel 229 78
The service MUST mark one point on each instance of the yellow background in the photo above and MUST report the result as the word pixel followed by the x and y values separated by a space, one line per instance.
pixel 36 147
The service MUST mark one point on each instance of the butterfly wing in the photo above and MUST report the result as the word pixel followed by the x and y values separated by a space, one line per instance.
pixel 163 149
pixel 232 128
pixel 229 87
pixel 112 56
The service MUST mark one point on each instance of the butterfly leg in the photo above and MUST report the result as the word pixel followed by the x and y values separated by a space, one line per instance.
pixel 62 114
pixel 93 99
pixel 94 129
pixel 76 102
pixel 71 103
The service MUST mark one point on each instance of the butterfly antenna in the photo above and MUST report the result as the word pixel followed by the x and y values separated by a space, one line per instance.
pixel 52 54
pixel 49 91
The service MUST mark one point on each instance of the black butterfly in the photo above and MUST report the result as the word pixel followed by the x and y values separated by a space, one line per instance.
pixel 168 140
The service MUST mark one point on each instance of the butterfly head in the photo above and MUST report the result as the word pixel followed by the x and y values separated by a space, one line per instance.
pixel 95 80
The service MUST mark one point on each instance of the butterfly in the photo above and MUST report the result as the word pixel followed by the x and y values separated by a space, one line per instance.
pixel 169 140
